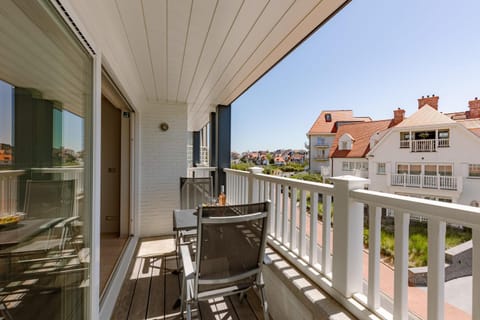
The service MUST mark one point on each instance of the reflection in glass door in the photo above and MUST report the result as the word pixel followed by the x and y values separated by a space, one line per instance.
pixel 45 213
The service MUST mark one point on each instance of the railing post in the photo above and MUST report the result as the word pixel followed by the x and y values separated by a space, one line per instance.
pixel 374 235
pixel 252 186
pixel 476 273
pixel 347 236
pixel 400 304
pixel 436 269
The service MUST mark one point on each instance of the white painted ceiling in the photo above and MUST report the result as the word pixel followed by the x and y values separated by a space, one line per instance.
pixel 199 52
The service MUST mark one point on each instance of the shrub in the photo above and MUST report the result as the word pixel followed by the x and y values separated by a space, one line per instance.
pixel 314 177
pixel 241 166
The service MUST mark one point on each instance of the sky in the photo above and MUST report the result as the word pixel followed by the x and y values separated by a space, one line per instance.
pixel 68 124
pixel 374 56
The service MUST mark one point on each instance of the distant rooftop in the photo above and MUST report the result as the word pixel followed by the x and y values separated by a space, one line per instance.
pixel 328 119
pixel 361 133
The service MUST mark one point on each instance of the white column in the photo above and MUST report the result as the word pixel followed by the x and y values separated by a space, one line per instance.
pixel 347 236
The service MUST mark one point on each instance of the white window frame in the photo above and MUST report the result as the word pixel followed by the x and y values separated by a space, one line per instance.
pixel 381 168
pixel 476 167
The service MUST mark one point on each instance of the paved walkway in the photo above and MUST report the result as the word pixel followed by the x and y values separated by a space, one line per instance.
pixel 417 297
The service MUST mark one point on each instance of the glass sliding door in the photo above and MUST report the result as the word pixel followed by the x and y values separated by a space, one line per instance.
pixel 46 83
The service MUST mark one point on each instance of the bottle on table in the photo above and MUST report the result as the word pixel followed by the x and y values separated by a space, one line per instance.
pixel 222 198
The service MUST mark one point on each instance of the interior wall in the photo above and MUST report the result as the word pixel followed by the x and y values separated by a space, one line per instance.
pixel 163 161
pixel 110 168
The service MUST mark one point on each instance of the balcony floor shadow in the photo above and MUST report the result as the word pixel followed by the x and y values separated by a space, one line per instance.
pixel 151 291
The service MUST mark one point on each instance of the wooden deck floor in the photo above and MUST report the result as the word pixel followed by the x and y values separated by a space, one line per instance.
pixel 151 291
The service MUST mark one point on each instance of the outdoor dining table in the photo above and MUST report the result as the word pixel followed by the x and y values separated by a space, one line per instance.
pixel 24 230
pixel 184 220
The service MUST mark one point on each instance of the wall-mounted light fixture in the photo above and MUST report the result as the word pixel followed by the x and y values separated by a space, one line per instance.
pixel 164 126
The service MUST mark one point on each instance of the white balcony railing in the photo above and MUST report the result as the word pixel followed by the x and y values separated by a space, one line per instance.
pixel 67 173
pixel 337 266
pixel 200 171
pixel 426 181
pixel 204 152
pixel 8 191
pixel 425 145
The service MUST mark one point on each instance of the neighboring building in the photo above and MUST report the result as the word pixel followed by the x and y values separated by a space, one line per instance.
pixel 321 136
pixel 430 155
pixel 279 161
pixel 352 143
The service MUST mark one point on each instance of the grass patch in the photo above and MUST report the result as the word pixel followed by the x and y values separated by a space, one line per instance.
pixel 418 241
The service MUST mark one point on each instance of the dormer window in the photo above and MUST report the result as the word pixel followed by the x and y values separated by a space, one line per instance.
pixel 345 142
pixel 328 117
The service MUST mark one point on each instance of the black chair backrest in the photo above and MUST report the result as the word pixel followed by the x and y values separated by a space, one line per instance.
pixel 195 192
pixel 230 244
pixel 49 198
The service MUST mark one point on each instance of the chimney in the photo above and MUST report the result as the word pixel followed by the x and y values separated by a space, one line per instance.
pixel 474 106
pixel 398 116
pixel 431 101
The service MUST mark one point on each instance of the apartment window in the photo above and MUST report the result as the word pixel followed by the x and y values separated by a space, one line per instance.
pixel 45 144
pixel 381 168
pixel 430 170
pixel 346 166
pixel 445 170
pixel 321 154
pixel 424 135
pixel 320 141
pixel 443 138
pixel 404 136
pixel 404 139
pixel 345 142
pixel 416 169
pixel 474 170
pixel 328 117
pixel 402 168
pixel 443 134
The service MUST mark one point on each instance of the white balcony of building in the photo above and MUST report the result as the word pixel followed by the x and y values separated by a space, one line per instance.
pixel 321 158
pixel 426 181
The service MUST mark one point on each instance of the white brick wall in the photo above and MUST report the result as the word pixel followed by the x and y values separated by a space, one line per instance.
pixel 163 160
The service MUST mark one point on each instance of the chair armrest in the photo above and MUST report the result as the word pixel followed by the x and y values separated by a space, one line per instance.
pixel 188 268
pixel 266 260
pixel 67 221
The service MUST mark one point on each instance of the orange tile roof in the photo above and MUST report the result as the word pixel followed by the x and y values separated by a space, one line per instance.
pixel 361 133
pixel 476 131
pixel 472 125
pixel 322 126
